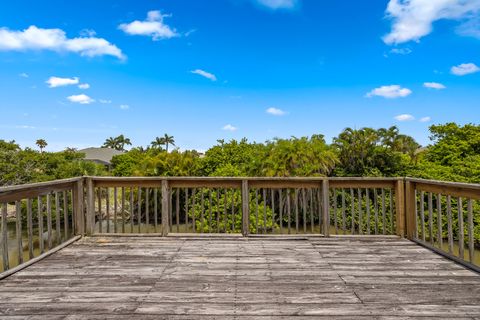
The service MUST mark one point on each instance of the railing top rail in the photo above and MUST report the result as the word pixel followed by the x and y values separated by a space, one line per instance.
pixel 40 185
pixel 447 184
pixel 105 178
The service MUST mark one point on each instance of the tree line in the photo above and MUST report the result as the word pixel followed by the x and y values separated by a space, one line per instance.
pixel 452 155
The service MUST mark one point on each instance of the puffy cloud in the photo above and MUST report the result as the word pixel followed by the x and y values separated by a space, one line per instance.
pixel 401 51
pixel 153 27
pixel 404 117
pixel 105 101
pixel 278 4
pixel 205 74
pixel 434 85
pixel 464 68
pixel 35 38
pixel 80 98
pixel 229 127
pixel 425 119
pixel 84 86
pixel 389 92
pixel 23 75
pixel 413 19
pixel 124 106
pixel 54 82
pixel 275 111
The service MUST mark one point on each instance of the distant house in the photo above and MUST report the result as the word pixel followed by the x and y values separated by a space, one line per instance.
pixel 100 155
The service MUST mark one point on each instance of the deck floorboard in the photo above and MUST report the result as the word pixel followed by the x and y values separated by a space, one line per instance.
pixel 242 278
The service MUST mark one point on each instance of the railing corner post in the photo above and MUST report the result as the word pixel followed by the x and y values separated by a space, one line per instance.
pixel 90 216
pixel 410 208
pixel 165 208
pixel 245 208
pixel 400 207
pixel 326 207
pixel 78 207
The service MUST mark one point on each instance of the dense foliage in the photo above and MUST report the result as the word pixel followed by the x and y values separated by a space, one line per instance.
pixel 454 155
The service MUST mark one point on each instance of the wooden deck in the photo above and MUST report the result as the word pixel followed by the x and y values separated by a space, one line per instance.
pixel 241 278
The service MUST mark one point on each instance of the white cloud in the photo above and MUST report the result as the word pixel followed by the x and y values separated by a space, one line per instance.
pixel 464 68
pixel 205 74
pixel 229 127
pixel 425 119
pixel 401 51
pixel 278 4
pixel 23 75
pixel 404 117
pixel 275 111
pixel 54 82
pixel 413 19
pixel 81 98
pixel 88 33
pixel 104 101
pixel 35 38
pixel 434 85
pixel 84 86
pixel 389 92
pixel 153 27
pixel 124 106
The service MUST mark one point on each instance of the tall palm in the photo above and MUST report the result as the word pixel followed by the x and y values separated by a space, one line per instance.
pixel 169 140
pixel 158 143
pixel 110 143
pixel 41 143
pixel 122 142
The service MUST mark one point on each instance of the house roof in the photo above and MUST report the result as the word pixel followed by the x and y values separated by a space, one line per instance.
pixel 101 155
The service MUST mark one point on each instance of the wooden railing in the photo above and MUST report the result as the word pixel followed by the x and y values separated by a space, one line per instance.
pixel 37 220
pixel 59 212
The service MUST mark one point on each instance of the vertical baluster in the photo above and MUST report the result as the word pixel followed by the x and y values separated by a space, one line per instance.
pixel 202 220
pixel 360 212
pixel 123 210
pixel 334 212
pixel 272 194
pixel 209 210
pixel 6 264
pixel 65 214
pixel 233 210
pixel 177 209
pixel 280 209
pixel 304 209
pixel 430 217
pixel 439 220
pixel 449 224
pixel 296 210
pixel 18 211
pixel 115 209
pixel 416 214
pixel 30 228
pixel 256 208
pixel 40 224
pixel 186 209
pixel 422 215
pixel 100 215
pixel 289 211
pixel 264 207
pixel 375 209
pixel 392 230
pixel 471 247
pixel 57 219
pixel 218 210
pixel 155 210
pixel 367 204
pixel 194 224
pixel 225 204
pixel 139 210
pixel 344 218
pixel 384 213
pixel 147 210
pixel 49 221
pixel 352 199
pixel 319 207
pixel 312 220
pixel 461 243
pixel 107 205
pixel 132 213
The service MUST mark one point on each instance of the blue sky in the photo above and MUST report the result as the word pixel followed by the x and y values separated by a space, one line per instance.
pixel 206 70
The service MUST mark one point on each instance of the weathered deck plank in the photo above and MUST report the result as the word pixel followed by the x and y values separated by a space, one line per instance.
pixel 242 278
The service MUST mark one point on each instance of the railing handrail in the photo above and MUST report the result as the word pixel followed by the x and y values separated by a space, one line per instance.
pixel 36 185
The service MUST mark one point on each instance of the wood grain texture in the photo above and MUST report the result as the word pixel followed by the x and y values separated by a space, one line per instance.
pixel 242 278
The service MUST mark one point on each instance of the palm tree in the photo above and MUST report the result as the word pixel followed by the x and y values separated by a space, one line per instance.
pixel 110 143
pixel 41 143
pixel 158 143
pixel 122 142
pixel 168 140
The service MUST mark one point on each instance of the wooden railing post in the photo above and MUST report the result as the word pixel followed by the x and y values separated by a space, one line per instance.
pixel 410 208
pixel 90 212
pixel 326 207
pixel 400 207
pixel 245 208
pixel 78 213
pixel 165 208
